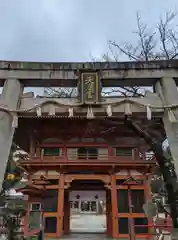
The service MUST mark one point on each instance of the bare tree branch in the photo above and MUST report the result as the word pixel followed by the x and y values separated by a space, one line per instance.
pixel 125 51
pixel 160 43
pixel 152 44
pixel 164 32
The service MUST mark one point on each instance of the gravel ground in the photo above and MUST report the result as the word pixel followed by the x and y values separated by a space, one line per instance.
pixel 88 223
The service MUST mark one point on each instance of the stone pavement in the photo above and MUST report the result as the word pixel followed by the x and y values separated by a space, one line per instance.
pixel 100 237
pixel 86 237
pixel 88 223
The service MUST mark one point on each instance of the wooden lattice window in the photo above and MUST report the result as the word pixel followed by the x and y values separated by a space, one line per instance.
pixel 123 225
pixel 141 225
pixel 50 201
pixel 50 225
pixel 131 217
pixel 87 153
pixel 123 201
pixel 50 151
pixel 124 151
pixel 138 199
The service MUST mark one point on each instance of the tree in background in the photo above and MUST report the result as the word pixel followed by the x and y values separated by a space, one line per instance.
pixel 13 208
pixel 159 43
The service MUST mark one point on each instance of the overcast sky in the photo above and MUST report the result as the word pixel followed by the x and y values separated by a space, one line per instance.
pixel 70 30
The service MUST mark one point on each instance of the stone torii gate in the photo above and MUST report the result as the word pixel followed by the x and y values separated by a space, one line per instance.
pixel 14 76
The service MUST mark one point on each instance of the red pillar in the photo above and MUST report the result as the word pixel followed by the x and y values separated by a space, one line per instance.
pixel 66 213
pixel 114 207
pixel 108 214
pixel 60 215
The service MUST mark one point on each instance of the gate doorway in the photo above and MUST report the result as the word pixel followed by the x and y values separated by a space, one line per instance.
pixel 87 204
pixel 87 211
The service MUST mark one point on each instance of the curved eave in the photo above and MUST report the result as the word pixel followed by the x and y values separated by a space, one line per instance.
pixel 83 166
pixel 31 189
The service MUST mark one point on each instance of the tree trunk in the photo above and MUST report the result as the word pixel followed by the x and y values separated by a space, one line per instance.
pixel 169 176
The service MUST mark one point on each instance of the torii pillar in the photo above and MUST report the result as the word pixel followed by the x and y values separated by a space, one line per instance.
pixel 166 88
pixel 11 93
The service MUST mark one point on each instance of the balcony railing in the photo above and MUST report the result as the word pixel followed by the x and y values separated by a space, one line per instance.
pixel 92 158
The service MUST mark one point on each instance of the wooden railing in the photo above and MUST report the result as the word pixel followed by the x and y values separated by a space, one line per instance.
pixel 92 158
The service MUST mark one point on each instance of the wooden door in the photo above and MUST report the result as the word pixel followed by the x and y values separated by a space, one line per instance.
pixel 131 218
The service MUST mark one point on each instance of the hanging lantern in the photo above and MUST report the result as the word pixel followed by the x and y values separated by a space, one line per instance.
pixel 11 176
